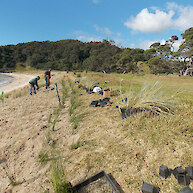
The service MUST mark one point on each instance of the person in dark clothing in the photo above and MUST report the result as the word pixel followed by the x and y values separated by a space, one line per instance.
pixel 47 77
pixel 32 83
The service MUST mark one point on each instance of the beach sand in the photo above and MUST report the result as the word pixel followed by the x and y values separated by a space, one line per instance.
pixel 20 80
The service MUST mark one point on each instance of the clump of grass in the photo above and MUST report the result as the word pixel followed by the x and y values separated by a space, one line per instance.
pixel 77 145
pixel 56 113
pixel 76 119
pixel 73 101
pixel 89 84
pixel 58 181
pixel 43 156
pixel 17 93
pixel 46 191
pixel 49 118
pixel 64 92
pixel 149 98
pixel 78 75
pixel 53 126
pixel 13 181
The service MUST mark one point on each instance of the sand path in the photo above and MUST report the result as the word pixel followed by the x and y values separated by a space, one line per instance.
pixel 20 81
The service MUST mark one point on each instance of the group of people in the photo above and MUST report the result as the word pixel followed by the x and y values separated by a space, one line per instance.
pixel 33 84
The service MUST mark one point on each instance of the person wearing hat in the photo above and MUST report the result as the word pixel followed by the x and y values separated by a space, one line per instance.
pixel 47 77
pixel 32 83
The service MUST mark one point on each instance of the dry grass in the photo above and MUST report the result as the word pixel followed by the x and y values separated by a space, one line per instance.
pixel 149 98
pixel 133 149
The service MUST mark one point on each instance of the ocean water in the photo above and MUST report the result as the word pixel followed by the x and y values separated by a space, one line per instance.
pixel 5 79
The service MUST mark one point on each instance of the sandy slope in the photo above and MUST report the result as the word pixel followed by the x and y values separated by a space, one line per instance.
pixel 20 81
pixel 23 130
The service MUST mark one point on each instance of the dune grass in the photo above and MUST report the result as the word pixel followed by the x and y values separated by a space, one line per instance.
pixel 149 98
pixel 58 179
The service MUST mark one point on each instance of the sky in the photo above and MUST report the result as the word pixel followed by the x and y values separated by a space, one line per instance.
pixel 130 23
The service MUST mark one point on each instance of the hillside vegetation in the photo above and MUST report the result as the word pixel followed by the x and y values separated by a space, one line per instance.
pixel 45 145
pixel 72 55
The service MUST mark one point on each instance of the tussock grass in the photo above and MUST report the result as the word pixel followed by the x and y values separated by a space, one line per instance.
pixel 76 119
pixel 77 145
pixel 43 156
pixel 56 113
pixel 149 98
pixel 17 93
pixel 58 181
pixel 74 103
pixel 89 84
pixel 64 91
pixel 13 181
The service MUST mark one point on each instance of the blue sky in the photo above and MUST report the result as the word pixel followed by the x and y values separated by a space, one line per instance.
pixel 133 24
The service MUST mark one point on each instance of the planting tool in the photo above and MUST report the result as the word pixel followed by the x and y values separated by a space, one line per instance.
pixel 57 92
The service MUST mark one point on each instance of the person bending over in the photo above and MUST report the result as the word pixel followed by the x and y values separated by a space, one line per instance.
pixel 32 83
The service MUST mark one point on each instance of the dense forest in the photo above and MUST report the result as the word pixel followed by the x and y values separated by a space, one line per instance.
pixel 74 55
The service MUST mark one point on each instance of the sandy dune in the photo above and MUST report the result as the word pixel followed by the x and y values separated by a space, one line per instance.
pixel 24 129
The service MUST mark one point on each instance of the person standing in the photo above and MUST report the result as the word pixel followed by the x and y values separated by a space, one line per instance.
pixel 47 77
pixel 32 83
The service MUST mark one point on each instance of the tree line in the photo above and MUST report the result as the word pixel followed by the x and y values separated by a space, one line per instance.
pixel 74 55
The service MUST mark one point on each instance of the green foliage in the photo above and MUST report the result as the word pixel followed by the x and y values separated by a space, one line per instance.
pixel 77 145
pixel 64 91
pixel 49 118
pixel 186 50
pixel 43 156
pixel 12 180
pixel 157 66
pixel 78 75
pixel 76 119
pixel 73 101
pixel 58 181
pixel 74 55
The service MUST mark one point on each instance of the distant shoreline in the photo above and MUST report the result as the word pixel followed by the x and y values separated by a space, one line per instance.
pixel 5 79
pixel 19 80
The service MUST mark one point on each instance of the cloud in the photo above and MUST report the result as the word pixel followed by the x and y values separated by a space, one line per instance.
pixel 150 22
pixel 184 18
pixel 157 21
pixel 85 38
pixel 177 44
pixel 95 1
pixel 104 31
pixel 132 45
pixel 147 43
pixel 118 34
